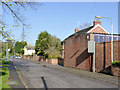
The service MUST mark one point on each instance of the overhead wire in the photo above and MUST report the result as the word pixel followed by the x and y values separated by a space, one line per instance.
pixel 90 13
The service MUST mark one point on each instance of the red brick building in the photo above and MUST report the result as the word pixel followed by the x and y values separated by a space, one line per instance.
pixel 75 48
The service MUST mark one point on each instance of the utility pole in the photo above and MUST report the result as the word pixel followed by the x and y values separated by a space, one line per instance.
pixel 111 45
pixel 23 33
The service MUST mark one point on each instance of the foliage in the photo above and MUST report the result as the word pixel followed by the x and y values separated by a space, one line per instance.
pixel 42 43
pixel 4 65
pixel 19 46
pixel 3 46
pixel 4 75
pixel 54 47
pixel 2 49
pixel 5 62
pixel 0 55
pixel 48 45
pixel 15 10
pixel 116 63
pixel 4 78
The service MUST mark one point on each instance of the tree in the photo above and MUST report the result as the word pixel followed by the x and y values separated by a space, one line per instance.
pixel 4 45
pixel 15 9
pixel 48 45
pixel 42 43
pixel 54 47
pixel 19 47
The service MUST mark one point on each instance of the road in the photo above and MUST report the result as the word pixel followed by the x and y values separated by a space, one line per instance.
pixel 36 75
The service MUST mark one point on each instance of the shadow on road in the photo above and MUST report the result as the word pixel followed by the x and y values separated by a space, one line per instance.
pixel 44 83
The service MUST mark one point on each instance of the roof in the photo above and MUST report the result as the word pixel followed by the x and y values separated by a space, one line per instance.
pixel 83 31
pixel 30 47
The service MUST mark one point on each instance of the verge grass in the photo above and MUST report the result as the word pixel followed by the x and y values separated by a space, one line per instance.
pixel 4 77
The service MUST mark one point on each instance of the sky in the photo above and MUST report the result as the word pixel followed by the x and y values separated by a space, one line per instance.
pixel 61 18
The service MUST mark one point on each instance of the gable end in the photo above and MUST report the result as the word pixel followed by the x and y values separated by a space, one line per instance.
pixel 98 26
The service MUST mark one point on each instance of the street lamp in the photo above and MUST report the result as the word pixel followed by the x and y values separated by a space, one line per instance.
pixel 111 37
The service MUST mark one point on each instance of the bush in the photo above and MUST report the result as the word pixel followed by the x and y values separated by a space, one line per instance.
pixel 50 57
pixel 116 63
pixel 0 55
pixel 5 62
pixel 4 68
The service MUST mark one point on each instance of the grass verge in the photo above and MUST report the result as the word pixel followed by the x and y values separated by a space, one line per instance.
pixel 5 65
pixel 4 78
pixel 4 75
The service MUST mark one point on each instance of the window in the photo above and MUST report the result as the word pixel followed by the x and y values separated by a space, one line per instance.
pixel 105 38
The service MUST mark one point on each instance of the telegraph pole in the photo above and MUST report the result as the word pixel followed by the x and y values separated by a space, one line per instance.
pixel 23 33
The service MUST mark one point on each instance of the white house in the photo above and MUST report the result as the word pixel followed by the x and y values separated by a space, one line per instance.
pixel 29 50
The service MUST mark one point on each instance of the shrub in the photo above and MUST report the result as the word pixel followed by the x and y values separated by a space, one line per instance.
pixel 116 63
pixel 4 68
pixel 5 62
pixel 50 57
pixel 0 55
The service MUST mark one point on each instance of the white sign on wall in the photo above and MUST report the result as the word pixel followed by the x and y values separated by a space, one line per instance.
pixel 91 46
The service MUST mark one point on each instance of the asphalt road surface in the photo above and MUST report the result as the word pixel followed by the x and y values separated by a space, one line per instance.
pixel 40 76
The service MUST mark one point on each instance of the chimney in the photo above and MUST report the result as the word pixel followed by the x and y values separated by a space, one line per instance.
pixel 96 21
pixel 76 30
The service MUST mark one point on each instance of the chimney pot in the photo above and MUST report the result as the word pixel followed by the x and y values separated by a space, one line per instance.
pixel 76 30
pixel 96 21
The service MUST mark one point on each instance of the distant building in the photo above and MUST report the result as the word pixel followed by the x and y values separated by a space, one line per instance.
pixel 29 50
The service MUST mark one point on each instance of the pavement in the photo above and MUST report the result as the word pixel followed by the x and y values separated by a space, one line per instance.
pixel 43 75
pixel 14 79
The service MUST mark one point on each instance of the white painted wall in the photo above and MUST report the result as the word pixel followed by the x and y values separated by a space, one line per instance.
pixel 28 52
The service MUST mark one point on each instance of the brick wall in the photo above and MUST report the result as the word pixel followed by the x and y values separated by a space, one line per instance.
pixel 27 57
pixel 76 48
pixel 76 54
pixel 39 58
pixel 36 57
pixel 31 57
pixel 52 61
pixel 103 55
pixel 98 30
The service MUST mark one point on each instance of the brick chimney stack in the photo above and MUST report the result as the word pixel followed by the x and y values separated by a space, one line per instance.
pixel 96 21
pixel 76 30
